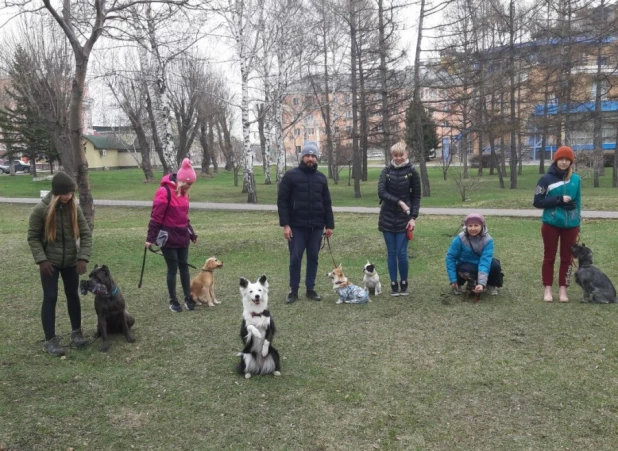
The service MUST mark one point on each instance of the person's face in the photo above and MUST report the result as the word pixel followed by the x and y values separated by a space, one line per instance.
pixel 563 164
pixel 310 160
pixel 474 228
pixel 399 157
pixel 64 198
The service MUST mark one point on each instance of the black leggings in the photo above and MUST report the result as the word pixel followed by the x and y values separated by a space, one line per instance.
pixel 70 280
pixel 177 258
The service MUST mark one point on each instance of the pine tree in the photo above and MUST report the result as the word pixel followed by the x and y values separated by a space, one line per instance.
pixel 430 136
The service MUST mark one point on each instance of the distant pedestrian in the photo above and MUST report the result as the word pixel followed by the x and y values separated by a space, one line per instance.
pixel 305 213
pixel 558 193
pixel 399 190
pixel 472 252
pixel 170 229
pixel 60 240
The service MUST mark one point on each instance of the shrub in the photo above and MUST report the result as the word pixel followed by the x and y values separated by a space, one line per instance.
pixel 586 159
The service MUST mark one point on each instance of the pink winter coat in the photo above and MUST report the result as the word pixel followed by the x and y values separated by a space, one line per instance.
pixel 173 218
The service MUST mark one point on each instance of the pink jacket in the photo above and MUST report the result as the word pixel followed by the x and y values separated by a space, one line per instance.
pixel 173 218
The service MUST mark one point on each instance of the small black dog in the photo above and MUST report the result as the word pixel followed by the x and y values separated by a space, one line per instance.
pixel 595 283
pixel 112 317
pixel 469 286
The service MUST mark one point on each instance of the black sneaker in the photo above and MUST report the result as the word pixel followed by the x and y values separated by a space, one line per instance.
pixel 292 297
pixel 404 288
pixel 189 304
pixel 175 307
pixel 394 289
pixel 311 294
pixel 53 347
pixel 77 338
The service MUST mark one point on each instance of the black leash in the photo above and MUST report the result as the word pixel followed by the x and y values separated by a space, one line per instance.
pixel 158 252
pixel 326 241
pixel 141 276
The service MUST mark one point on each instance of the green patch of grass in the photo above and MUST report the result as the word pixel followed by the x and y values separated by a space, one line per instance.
pixel 428 371
pixel 129 185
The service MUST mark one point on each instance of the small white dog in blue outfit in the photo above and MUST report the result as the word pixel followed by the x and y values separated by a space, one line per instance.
pixel 347 291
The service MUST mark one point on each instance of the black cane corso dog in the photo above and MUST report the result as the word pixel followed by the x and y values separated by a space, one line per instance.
pixel 112 316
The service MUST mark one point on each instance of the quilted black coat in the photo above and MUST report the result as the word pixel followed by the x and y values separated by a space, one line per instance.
pixel 395 184
pixel 304 199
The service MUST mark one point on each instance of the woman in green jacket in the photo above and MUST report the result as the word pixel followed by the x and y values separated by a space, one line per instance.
pixel 60 240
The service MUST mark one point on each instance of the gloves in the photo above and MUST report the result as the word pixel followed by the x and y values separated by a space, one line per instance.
pixel 46 268
pixel 81 267
pixel 193 238
pixel 570 205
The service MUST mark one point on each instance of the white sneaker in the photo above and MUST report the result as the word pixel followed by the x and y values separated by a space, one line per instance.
pixel 493 291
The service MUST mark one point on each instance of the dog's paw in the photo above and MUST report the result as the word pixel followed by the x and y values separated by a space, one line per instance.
pixel 339 301
pixel 216 302
pixel 277 373
pixel 130 339
pixel 104 348
pixel 265 348
pixel 247 375
pixel 253 331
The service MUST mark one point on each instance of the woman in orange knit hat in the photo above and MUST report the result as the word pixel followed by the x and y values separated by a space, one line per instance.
pixel 558 193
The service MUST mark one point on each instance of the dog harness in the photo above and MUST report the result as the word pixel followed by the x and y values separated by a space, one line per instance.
pixel 353 294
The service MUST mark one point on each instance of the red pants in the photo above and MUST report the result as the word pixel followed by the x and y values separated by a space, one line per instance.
pixel 567 238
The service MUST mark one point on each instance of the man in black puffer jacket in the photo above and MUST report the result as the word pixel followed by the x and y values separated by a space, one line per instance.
pixel 305 210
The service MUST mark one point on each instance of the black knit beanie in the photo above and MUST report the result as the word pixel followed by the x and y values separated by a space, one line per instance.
pixel 62 184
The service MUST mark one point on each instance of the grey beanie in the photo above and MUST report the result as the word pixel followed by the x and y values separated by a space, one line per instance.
pixel 310 148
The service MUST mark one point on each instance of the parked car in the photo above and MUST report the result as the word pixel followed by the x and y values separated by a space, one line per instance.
pixel 19 166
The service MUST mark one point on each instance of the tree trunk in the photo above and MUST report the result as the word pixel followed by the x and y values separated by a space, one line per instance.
pixel 426 190
pixel 356 157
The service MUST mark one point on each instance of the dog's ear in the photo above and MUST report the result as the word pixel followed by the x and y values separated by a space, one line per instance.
pixel 95 267
pixel 340 266
pixel 262 280
pixel 105 269
pixel 244 282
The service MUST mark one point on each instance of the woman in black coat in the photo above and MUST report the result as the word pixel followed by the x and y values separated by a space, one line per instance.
pixel 399 190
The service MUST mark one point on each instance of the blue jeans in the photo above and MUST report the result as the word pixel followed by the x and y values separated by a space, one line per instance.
pixel 308 239
pixel 396 254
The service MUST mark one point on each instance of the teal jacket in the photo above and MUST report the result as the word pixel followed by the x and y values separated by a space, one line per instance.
pixel 548 195
pixel 65 250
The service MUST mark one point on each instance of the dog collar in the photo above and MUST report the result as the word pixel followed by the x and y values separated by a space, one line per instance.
pixel 207 270
pixel 253 314
pixel 115 290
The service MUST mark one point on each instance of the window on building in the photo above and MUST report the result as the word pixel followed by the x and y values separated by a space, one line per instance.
pixel 297 149
pixel 308 100
pixel 348 114
pixel 297 132
pixel 604 89
pixel 310 131
pixel 295 101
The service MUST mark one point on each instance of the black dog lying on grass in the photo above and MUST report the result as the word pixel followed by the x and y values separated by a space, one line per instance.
pixel 469 286
pixel 112 316
pixel 595 283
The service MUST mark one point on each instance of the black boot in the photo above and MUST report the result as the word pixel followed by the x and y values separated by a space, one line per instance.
pixel 311 294
pixel 394 289
pixel 77 338
pixel 404 288
pixel 292 297
pixel 53 347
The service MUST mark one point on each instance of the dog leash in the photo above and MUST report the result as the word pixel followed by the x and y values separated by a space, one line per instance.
pixel 158 252
pixel 141 276
pixel 326 241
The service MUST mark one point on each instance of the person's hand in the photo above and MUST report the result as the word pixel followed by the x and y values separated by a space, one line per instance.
pixel 479 289
pixel 82 266
pixel 287 233
pixel 194 238
pixel 147 245
pixel 411 224
pixel 328 233
pixel 46 268
pixel 404 207
pixel 566 199
pixel 455 286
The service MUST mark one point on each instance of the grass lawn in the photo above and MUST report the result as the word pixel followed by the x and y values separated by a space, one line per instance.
pixel 129 185
pixel 424 372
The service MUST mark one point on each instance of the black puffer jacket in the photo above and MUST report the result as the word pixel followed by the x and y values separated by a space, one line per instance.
pixel 395 184
pixel 304 199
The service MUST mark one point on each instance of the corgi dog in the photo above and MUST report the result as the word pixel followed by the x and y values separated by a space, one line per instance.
pixel 203 285
pixel 257 331
pixel 371 280
pixel 348 292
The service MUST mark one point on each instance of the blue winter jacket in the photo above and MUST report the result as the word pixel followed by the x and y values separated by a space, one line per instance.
pixel 548 196
pixel 304 200
pixel 477 250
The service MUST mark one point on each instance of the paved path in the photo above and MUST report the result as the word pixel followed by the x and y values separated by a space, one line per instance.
pixel 529 213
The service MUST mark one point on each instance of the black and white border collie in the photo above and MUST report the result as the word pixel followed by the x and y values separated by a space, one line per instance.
pixel 257 331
